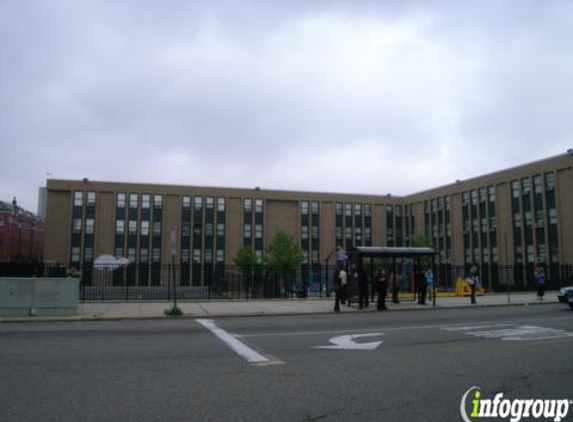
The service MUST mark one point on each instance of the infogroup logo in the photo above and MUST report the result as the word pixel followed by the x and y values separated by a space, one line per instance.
pixel 515 410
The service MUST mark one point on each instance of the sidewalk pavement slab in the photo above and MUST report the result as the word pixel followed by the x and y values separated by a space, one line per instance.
pixel 102 311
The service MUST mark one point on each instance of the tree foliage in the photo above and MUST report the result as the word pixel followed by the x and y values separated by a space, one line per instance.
pixel 283 251
pixel 246 257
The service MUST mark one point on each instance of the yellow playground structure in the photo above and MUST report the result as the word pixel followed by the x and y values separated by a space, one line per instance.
pixel 464 289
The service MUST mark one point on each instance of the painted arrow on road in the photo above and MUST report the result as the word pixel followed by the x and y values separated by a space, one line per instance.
pixel 347 342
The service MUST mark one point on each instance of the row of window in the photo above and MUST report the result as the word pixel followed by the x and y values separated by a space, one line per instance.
pixel 139 224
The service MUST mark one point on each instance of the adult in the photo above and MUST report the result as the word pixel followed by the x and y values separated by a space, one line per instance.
pixel 473 280
pixel 381 282
pixel 541 281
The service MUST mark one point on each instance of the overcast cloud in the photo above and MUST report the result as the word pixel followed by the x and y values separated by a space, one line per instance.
pixel 343 96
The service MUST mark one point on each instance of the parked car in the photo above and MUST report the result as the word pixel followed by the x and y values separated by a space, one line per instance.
pixel 566 295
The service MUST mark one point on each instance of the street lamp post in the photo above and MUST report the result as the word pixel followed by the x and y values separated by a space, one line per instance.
pixel 173 250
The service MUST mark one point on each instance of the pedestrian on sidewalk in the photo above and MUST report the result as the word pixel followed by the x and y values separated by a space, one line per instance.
pixel 343 281
pixel 381 281
pixel 422 286
pixel 362 288
pixel 541 281
pixel 473 281
pixel 340 256
pixel 336 288
pixel 395 281
pixel 429 274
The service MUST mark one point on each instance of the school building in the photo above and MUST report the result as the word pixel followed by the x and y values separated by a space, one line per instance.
pixel 521 215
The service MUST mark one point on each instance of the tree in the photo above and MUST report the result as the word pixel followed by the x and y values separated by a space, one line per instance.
pixel 246 257
pixel 421 241
pixel 283 251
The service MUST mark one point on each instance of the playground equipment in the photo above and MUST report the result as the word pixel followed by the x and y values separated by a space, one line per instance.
pixel 464 289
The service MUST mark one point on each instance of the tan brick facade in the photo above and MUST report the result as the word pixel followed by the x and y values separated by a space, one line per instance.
pixel 471 220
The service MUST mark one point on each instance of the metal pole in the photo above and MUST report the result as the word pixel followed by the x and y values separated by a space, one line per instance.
pixel 173 247
pixel 434 283
pixel 507 268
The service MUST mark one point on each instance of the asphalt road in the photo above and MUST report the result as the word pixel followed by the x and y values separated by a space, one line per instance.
pixel 394 366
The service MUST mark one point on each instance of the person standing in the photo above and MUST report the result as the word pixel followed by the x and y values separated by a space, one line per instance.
pixel 395 287
pixel 473 281
pixel 381 281
pixel 340 256
pixel 429 274
pixel 336 288
pixel 362 288
pixel 541 281
pixel 422 285
pixel 343 281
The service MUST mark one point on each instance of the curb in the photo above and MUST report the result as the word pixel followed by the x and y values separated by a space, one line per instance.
pixel 355 311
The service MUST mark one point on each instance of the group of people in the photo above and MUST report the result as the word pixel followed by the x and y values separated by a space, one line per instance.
pixel 351 281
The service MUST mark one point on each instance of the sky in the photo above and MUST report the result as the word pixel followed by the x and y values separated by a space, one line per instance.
pixel 353 96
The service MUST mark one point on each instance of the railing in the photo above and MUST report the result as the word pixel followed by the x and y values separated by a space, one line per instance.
pixel 138 282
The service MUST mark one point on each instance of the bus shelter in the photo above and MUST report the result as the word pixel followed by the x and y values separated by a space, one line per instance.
pixel 407 265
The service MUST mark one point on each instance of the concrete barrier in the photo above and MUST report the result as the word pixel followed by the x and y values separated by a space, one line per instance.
pixel 38 296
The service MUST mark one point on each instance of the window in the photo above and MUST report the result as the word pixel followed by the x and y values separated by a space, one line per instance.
pixel 210 203
pixel 258 231
pixel 145 201
pixel 367 210
pixel 90 226
pixel 221 204
pixel 304 232
pixel 315 234
pixel 157 202
pixel 338 208
pixel 220 230
pixel 144 255
pixel 258 205
pixel 145 228
pixel 248 205
pixel 157 228
pixel 314 208
pixel 133 228
pixel 186 202
pixel 197 256
pixel 77 226
pixel 198 203
pixel 78 199
pixel 247 231
pixel 91 199
pixel 465 198
pixel 133 200
pixel 304 208
pixel 549 181
pixel 120 200
pixel 209 229
pixel 156 255
pixel 537 184
pixel 120 227
pixel 75 254
pixel 526 185
pixel 348 210
pixel 357 209
pixel 220 256
pixel 131 254
pixel 515 192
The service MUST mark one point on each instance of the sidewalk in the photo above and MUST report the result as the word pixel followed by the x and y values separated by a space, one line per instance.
pixel 153 310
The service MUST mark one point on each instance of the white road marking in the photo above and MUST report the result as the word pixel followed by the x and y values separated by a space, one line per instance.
pixel 347 342
pixel 476 327
pixel 237 346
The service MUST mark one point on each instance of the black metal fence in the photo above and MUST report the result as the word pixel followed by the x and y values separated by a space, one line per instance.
pixel 215 282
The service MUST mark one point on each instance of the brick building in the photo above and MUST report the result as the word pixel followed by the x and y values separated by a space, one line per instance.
pixel 521 215
pixel 21 234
